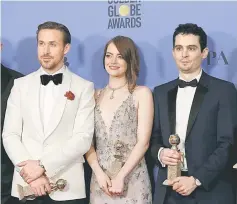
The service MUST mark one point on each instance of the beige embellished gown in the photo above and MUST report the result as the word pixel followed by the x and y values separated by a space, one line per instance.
pixel 113 147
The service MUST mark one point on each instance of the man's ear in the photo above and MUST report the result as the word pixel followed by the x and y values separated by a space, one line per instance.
pixel 67 48
pixel 205 53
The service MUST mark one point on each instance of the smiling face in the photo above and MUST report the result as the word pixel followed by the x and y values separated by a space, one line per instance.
pixel 51 49
pixel 115 65
pixel 187 53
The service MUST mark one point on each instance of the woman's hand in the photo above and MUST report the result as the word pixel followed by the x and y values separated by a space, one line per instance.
pixel 104 182
pixel 117 187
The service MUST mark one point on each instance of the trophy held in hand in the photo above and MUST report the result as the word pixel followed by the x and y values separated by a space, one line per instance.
pixel 27 193
pixel 173 171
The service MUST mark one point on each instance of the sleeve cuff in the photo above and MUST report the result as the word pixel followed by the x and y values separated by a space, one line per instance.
pixel 163 165
pixel 198 183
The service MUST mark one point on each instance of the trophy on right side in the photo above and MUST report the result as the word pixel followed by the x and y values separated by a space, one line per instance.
pixel 173 171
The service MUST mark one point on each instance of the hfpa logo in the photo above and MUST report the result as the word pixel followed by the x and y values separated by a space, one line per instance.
pixel 214 58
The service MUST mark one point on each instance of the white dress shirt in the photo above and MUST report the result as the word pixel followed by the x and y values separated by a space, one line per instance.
pixel 184 102
pixel 48 96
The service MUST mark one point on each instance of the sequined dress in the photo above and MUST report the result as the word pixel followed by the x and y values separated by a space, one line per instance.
pixel 113 147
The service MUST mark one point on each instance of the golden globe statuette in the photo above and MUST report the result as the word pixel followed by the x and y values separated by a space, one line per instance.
pixel 27 193
pixel 173 171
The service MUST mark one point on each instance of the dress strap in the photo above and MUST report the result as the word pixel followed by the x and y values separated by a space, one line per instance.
pixel 98 94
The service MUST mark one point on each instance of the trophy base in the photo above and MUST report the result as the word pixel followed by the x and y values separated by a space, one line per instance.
pixel 165 183
pixel 25 193
pixel 20 191
pixel 235 166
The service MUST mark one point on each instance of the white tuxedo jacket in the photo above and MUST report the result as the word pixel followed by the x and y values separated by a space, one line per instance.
pixel 67 138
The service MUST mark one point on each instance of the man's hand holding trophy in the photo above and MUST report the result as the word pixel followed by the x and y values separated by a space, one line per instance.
pixel 33 173
pixel 172 158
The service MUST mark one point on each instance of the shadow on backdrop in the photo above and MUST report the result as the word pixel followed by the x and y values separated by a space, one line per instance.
pixel 75 57
pixel 167 70
pixel 94 47
pixel 232 67
pixel 26 56
pixel 7 54
pixel 149 64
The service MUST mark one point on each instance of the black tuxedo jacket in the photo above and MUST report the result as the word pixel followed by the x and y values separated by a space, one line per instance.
pixel 209 138
pixel 7 80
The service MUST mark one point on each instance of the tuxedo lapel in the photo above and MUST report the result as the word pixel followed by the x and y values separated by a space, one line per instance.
pixel 60 104
pixel 34 93
pixel 172 94
pixel 197 101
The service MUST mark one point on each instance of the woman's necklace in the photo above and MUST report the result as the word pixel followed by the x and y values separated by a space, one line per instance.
pixel 115 89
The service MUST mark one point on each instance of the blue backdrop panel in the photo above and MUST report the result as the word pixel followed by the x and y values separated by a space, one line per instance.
pixel 149 24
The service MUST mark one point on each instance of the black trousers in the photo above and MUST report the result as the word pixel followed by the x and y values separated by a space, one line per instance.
pixel 172 197
pixel 46 200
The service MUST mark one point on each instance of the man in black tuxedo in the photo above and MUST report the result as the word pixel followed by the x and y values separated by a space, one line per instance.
pixel 7 78
pixel 202 110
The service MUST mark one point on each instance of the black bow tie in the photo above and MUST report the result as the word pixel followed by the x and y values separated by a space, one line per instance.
pixel 183 83
pixel 57 79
